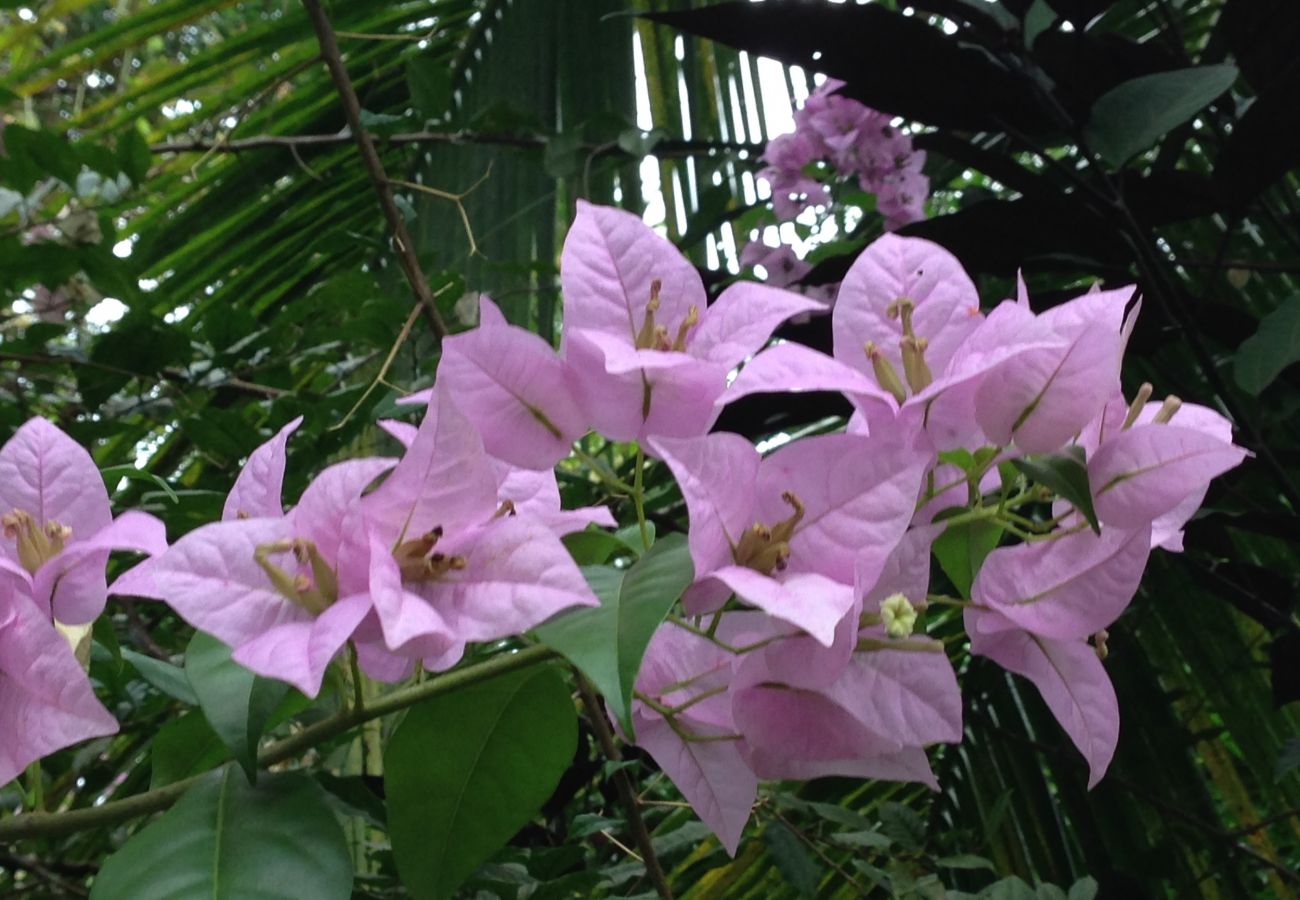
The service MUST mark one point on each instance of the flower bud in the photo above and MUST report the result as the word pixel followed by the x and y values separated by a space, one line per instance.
pixel 898 615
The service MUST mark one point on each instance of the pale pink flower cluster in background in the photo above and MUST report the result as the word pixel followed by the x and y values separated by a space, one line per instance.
pixel 855 141
pixel 800 649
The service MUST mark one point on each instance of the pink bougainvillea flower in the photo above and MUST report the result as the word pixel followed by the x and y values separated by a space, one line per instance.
pixel 533 492
pixel 1042 397
pixel 260 484
pixel 780 263
pixel 786 533
pixel 792 190
pixel 866 705
pixel 911 301
pixel 285 592
pixel 1161 466
pixel 1069 675
pixel 901 198
pixel 537 494
pixel 458 563
pixel 1067 588
pixel 699 748
pixel 649 358
pixel 514 388
pixel 58 526
pixel 46 701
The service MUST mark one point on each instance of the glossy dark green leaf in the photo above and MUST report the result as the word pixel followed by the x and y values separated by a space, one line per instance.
pixel 133 155
pixel 594 547
pixel 164 676
pixel 1132 116
pixel 430 84
pixel 1288 759
pixel 184 747
pixel 792 859
pixel 236 702
pixel 1066 473
pixel 1085 888
pixel 465 771
pixel 903 825
pixel 229 840
pixel 1265 354
pixel 607 642
pixel 961 550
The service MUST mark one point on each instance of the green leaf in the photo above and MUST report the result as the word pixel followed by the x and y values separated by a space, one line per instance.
pixel 1288 759
pixel 1038 18
pixel 128 471
pixel 1066 473
pixel 353 796
pixel 133 155
pixel 236 702
pixel 165 677
pixel 965 861
pixel 792 859
pixel 187 746
pixel 631 535
pixel 1012 888
pixel 1276 345
pixel 607 642
pixel 594 547
pixel 1133 115
pixel 961 550
pixel 31 156
pixel 466 770
pixel 872 839
pixel 563 156
pixel 903 825
pixel 228 840
pixel 429 82
pixel 635 142
pixel 1084 889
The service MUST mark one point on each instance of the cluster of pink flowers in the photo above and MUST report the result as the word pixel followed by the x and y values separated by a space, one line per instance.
pixel 855 141
pixel 800 649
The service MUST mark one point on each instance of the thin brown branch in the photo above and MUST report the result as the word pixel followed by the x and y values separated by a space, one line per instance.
pixel 112 812
pixel 626 795
pixel 170 374
pixel 402 242
pixel 1250 265
pixel 665 148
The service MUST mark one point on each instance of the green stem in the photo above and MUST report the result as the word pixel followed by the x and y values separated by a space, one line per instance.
pixel 358 694
pixel 638 497
pixel 603 472
pixel 942 600
pixel 35 787
pixel 41 825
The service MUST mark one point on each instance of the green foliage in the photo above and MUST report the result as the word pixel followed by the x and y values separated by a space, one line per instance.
pixel 961 550
pixel 608 642
pixel 1066 474
pixel 260 286
pixel 1266 354
pixel 229 840
pixel 456 794
pixel 1132 116
pixel 236 703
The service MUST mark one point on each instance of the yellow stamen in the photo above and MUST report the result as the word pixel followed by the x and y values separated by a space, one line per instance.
pixel 886 374
pixel 692 319
pixel 1167 410
pixel 1135 408
pixel 902 308
pixel 35 545
pixel 914 365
